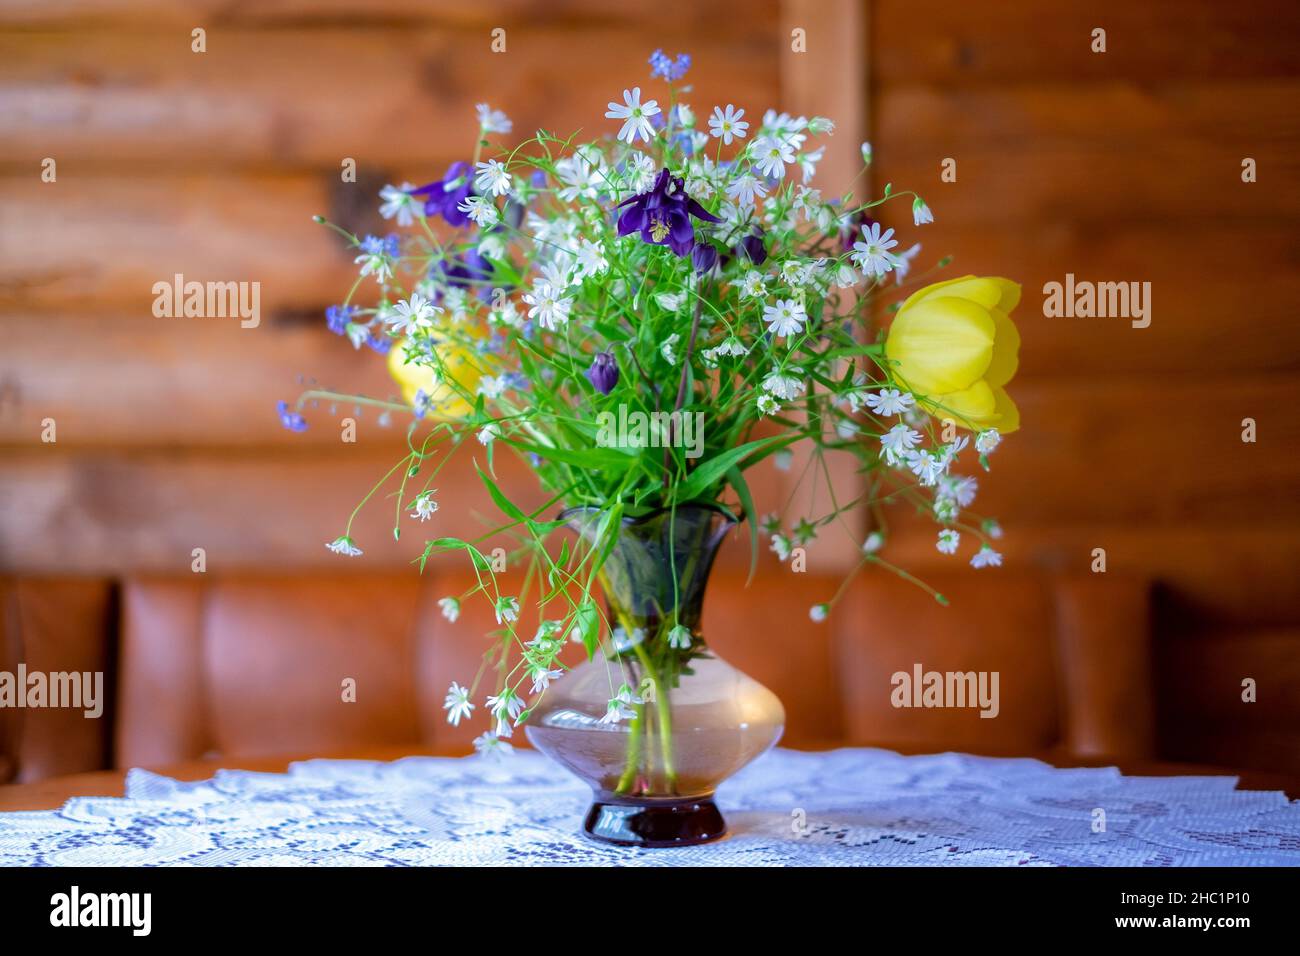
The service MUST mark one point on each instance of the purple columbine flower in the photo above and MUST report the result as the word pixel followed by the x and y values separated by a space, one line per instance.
pixel 289 418
pixel 751 248
pixel 704 257
pixel 603 373
pixel 443 196
pixel 663 215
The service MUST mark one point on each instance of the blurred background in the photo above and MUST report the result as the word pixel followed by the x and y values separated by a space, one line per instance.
pixel 1117 166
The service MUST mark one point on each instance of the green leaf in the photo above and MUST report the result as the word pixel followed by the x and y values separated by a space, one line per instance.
pixel 747 503
pixel 587 621
pixel 705 475
pixel 507 506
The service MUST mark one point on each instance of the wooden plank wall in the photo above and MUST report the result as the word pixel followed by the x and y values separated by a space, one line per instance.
pixel 1116 166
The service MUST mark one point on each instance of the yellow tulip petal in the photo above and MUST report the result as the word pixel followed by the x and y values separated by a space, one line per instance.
pixel 1007 417
pixel 992 292
pixel 1006 349
pixel 969 408
pixel 941 345
pixel 444 401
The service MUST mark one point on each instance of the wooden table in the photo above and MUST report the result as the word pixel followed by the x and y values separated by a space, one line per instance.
pixel 51 794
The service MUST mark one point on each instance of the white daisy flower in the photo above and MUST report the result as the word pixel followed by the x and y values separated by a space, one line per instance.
pixel 542 678
pixel 753 285
pixel 771 155
pixel 621 705
pixel 744 188
pixel 425 506
pixel 493 121
pixel 897 442
pixel 948 541
pixel 450 608
pixel 344 545
pixel 547 306
pixel 889 401
pixel 871 254
pixel 635 114
pixel 780 546
pixel 986 557
pixel 481 210
pixel 987 441
pixel 928 467
pixel 507 610
pixel 411 314
pixel 767 405
pixel 490 745
pixel 787 317
pixel 457 704
pixel 921 213
pixel 784 386
pixel 492 178
pixel 727 125
pixel 808 162
pixel 397 201
pixel 488 434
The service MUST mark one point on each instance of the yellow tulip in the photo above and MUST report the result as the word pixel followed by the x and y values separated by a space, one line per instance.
pixel 461 366
pixel 954 345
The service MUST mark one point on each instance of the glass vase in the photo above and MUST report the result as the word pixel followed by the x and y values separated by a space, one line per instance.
pixel 655 721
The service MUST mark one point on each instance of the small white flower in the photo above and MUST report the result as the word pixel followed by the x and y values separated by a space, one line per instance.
pixel 890 401
pixel 490 745
pixel 866 154
pixel 670 301
pixel 921 213
pixel 344 545
pixel 986 557
pixel 846 428
pixel 821 126
pixel 492 178
pixel 817 613
pixel 896 442
pixel 903 263
pixel 797 272
pixel 744 188
pixel 808 162
pixel 450 608
pixel 547 306
pixel 961 490
pixel 987 441
pixel 542 678
pixel 726 125
pixel 668 349
pixel 493 386
pixel 635 114
pixel 784 386
pixel 771 155
pixel 591 259
pixel 621 706
pixel 493 121
pixel 400 203
pixel 927 466
pixel 875 541
pixel 752 285
pixel 992 529
pixel 781 546
pixel 481 210
pixel 488 434
pixel 767 405
pixel 787 317
pixel 507 610
pixel 871 254
pixel 948 541
pixel 679 638
pixel 639 172
pixel 411 314
pixel 457 704
pixel 425 506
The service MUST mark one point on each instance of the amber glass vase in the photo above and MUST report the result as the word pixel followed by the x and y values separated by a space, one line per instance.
pixel 685 720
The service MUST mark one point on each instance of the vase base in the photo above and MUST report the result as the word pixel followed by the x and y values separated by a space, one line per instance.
pixel 656 823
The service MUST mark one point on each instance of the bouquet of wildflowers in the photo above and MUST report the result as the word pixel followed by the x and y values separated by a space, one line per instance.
pixel 645 317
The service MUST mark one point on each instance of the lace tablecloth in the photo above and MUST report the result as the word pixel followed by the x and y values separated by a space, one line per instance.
pixel 842 807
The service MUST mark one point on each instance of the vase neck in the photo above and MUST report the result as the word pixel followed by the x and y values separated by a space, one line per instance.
pixel 656 572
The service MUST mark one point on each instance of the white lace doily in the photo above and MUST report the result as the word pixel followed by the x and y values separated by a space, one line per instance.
pixel 842 807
